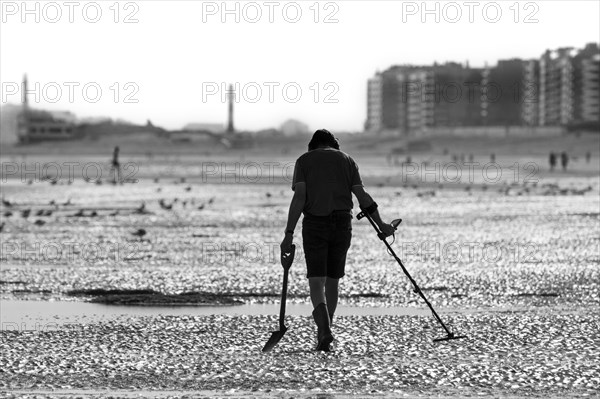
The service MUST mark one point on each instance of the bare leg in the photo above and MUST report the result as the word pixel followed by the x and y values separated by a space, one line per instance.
pixel 320 313
pixel 331 293
pixel 317 290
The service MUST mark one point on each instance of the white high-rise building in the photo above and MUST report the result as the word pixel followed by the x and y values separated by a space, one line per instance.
pixel 569 87
pixel 590 93
pixel 531 95
pixel 374 122
pixel 420 103
pixel 556 87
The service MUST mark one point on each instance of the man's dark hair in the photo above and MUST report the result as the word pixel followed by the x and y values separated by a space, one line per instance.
pixel 323 137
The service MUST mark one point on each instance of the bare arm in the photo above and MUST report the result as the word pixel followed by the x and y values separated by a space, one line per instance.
pixel 365 200
pixel 296 206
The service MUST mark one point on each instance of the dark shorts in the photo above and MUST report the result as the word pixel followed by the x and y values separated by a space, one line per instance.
pixel 326 240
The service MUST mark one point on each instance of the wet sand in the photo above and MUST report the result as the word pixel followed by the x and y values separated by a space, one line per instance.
pixel 22 315
pixel 519 354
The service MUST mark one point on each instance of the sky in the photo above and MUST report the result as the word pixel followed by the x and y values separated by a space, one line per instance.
pixel 171 61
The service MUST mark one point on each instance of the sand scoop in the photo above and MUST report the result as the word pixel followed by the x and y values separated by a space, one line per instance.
pixel 287 258
pixel 449 334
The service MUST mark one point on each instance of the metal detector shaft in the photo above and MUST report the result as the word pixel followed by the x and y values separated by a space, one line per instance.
pixel 414 283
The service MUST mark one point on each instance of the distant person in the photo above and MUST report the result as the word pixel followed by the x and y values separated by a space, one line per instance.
pixel 588 157
pixel 552 160
pixel 471 157
pixel 564 160
pixel 115 166
pixel 324 180
pixel 493 158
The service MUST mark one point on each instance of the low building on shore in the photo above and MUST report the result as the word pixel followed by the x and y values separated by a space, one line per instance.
pixel 293 127
pixel 35 125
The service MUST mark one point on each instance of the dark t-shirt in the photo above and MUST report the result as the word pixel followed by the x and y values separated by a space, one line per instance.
pixel 329 175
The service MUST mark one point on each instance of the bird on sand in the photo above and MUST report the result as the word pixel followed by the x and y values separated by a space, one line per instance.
pixel 139 233
pixel 164 205
pixel 141 209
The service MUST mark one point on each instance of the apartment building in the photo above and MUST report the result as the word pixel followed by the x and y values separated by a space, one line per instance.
pixel 561 88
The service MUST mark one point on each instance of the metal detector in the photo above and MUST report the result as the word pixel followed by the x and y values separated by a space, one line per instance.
pixel 449 334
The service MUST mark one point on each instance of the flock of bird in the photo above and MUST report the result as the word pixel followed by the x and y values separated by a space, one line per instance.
pixel 514 189
pixel 10 208
pixel 506 189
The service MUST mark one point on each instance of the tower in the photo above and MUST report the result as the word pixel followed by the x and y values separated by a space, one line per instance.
pixel 230 97
pixel 24 93
pixel 24 116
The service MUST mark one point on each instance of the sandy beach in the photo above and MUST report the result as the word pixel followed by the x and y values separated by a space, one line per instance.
pixel 512 265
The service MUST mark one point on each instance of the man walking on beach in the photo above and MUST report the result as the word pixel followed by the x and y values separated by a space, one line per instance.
pixel 564 160
pixel 323 183
pixel 552 161
pixel 115 166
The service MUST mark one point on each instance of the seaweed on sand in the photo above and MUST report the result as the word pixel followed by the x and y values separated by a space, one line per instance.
pixel 146 297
